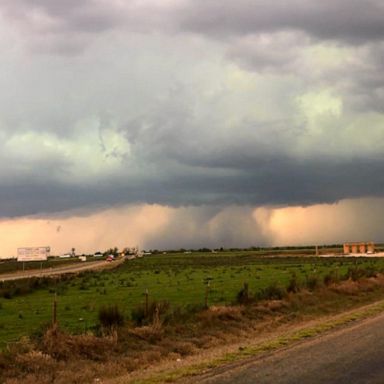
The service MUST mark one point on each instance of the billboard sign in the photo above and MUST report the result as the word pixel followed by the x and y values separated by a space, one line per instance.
pixel 33 253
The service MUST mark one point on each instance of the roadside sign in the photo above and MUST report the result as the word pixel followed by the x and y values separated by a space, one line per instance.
pixel 33 253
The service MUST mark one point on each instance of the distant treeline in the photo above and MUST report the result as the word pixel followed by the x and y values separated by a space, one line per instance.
pixel 253 248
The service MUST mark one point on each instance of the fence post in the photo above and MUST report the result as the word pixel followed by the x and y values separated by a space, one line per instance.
pixel 206 294
pixel 246 292
pixel 54 311
pixel 146 302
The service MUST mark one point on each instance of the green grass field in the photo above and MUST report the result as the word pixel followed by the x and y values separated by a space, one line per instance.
pixel 181 279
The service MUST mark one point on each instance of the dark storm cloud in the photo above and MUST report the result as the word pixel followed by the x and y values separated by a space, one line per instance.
pixel 345 20
pixel 349 21
pixel 269 36
pixel 363 83
pixel 278 182
pixel 63 16
pixel 342 19
pixel 189 103
pixel 68 28
pixel 259 35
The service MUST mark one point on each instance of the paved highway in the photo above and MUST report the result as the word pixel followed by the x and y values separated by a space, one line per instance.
pixel 354 355
pixel 74 268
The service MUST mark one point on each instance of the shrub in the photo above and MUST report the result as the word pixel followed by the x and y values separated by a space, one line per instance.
pixel 272 292
pixel 293 285
pixel 8 294
pixel 313 282
pixel 331 278
pixel 138 315
pixel 242 296
pixel 83 286
pixel 63 346
pixel 355 273
pixel 371 271
pixel 193 308
pixel 110 316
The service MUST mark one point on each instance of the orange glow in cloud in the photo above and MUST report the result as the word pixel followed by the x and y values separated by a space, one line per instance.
pixel 120 227
pixel 168 227
pixel 348 220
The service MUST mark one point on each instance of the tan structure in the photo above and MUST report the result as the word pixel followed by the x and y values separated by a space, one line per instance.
pixel 371 248
pixel 358 248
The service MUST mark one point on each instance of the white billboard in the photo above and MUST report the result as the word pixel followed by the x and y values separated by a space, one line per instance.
pixel 32 253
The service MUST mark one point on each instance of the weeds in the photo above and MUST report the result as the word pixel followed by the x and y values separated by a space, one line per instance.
pixel 110 317
pixel 313 282
pixel 293 285
pixel 272 292
pixel 144 316
pixel 331 277
pixel 243 295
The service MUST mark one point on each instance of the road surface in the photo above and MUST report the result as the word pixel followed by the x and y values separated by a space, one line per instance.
pixel 74 268
pixel 354 355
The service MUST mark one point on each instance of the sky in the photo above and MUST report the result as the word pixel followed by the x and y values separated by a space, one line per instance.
pixel 190 123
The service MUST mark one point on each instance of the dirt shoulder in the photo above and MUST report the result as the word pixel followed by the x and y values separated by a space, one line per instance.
pixel 269 336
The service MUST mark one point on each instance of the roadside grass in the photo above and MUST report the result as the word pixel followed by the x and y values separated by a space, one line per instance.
pixel 245 353
pixel 57 356
pixel 178 279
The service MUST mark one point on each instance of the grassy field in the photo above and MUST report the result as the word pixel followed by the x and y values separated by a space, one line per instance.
pixel 180 279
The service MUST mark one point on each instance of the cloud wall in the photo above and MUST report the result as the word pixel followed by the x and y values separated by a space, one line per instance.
pixel 196 112
pixel 164 227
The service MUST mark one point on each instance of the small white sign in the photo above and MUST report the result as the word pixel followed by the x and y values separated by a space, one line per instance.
pixel 32 253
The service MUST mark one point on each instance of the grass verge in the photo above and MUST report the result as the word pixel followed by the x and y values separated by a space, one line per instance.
pixel 123 349
pixel 244 354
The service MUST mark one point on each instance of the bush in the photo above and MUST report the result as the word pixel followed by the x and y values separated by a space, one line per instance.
pixel 331 278
pixel 242 296
pixel 9 289
pixel 63 346
pixel 8 294
pixel 293 285
pixel 272 292
pixel 138 315
pixel 313 282
pixel 371 271
pixel 356 273
pixel 110 316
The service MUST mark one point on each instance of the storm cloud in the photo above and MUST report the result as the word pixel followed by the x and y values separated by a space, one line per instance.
pixel 189 103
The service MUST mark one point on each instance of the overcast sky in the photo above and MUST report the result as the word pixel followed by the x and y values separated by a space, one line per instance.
pixel 193 110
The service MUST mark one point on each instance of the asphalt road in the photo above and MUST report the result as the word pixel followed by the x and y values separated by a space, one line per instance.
pixel 74 268
pixel 354 355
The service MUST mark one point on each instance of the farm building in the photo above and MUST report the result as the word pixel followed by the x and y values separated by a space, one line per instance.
pixel 358 248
